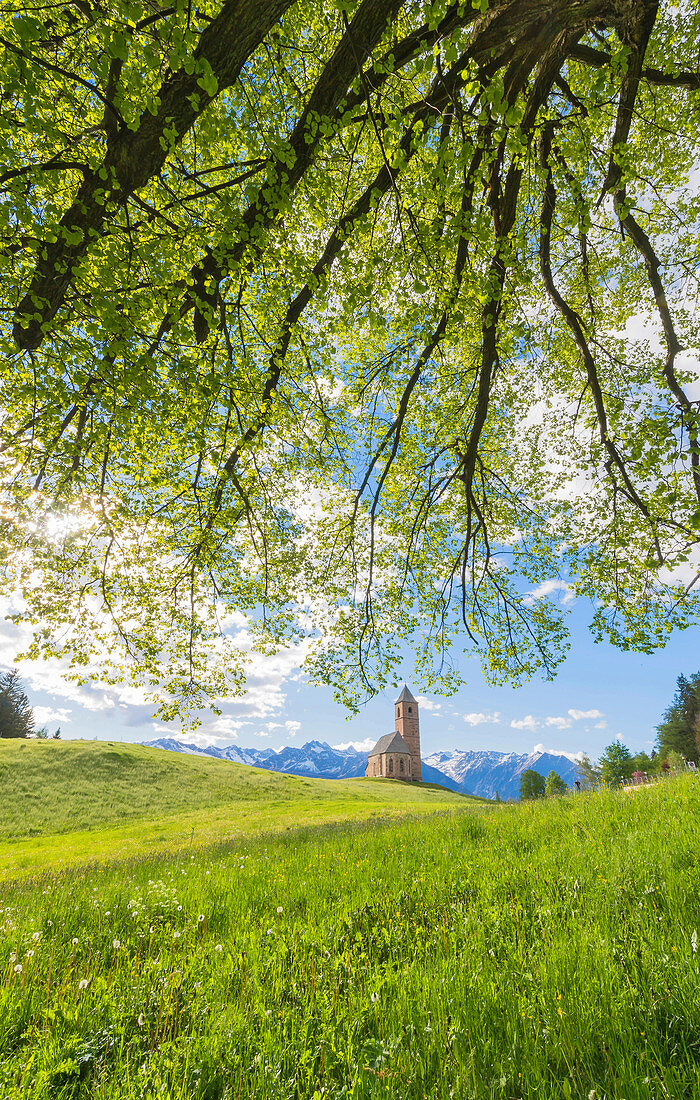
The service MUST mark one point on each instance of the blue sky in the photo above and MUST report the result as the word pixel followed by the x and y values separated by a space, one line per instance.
pixel 599 693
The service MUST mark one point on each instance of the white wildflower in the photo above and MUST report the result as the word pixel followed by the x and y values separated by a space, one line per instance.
pixel 35 936
pixel 116 944
pixel 142 1020
pixel 280 909
pixel 18 968
pixel 218 948
pixel 74 941
pixel 29 954
pixel 176 935
pixel 694 941
pixel 83 983
pixel 374 997
pixel 200 918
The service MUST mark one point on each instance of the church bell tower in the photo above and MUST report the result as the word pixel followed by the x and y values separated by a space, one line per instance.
pixel 406 715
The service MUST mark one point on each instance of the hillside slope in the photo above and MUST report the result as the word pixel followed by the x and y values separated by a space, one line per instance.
pixel 74 801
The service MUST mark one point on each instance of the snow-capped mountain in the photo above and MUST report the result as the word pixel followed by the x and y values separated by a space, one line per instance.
pixel 479 773
pixel 487 773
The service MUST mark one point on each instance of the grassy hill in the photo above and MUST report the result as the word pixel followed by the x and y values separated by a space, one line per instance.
pixel 529 952
pixel 73 801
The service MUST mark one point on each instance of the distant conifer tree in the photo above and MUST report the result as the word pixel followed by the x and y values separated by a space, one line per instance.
pixel 16 715
pixel 680 727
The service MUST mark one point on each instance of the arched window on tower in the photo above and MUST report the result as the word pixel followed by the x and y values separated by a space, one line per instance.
pixel 410 710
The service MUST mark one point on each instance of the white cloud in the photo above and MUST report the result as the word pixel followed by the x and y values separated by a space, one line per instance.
pixel 477 719
pixel 577 715
pixel 42 715
pixel 600 725
pixel 292 727
pixel 538 748
pixel 558 722
pixel 548 588
pixel 427 703
pixel 527 723
pixel 360 746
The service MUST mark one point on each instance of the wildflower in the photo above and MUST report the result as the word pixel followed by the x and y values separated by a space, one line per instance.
pixel 74 941
pixel 116 944
pixel 218 948
pixel 35 936
pixel 108 912
pixel 592 1095
pixel 694 941
pixel 270 932
pixel 200 918
pixel 280 909
pixel 83 983
pixel 18 968
pixel 151 930
pixel 142 1020
pixel 13 958
pixel 374 997
pixel 29 954
pixel 176 935
pixel 49 924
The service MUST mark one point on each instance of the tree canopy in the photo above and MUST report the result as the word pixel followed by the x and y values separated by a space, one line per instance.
pixel 554 785
pixel 616 764
pixel 532 785
pixel 324 315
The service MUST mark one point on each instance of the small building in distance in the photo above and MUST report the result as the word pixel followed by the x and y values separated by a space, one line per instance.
pixel 397 754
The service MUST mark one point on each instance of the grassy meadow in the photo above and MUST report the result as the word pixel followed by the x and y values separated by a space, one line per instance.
pixel 65 803
pixel 540 950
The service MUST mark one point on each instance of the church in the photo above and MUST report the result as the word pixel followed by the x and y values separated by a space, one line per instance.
pixel 397 754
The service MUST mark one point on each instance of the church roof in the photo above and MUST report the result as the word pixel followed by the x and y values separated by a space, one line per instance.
pixel 405 696
pixel 391 742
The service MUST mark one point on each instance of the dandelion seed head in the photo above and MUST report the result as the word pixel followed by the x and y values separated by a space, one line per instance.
pixel 116 944
pixel 18 968
pixel 35 936
pixel 218 948
pixel 142 1020
pixel 83 983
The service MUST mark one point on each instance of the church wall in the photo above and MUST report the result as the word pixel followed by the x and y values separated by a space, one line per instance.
pixel 407 725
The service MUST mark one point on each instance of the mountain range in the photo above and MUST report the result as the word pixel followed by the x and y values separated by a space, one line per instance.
pixel 484 773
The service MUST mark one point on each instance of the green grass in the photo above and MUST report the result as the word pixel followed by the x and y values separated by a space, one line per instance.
pixel 539 951
pixel 63 803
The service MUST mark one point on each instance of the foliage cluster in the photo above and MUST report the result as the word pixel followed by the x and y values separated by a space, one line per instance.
pixel 328 322
pixel 539 950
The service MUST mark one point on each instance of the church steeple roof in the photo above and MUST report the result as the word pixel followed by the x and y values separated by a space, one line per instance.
pixel 405 696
